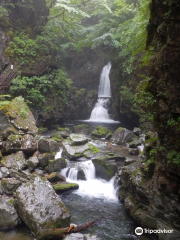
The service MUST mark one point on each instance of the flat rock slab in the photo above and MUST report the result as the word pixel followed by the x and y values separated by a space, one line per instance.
pixel 14 161
pixel 40 207
pixel 9 217
pixel 48 145
pixel 78 139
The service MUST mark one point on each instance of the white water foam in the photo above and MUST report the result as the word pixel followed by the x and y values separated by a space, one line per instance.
pixel 92 187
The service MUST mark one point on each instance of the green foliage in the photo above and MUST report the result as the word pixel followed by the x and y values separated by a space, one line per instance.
pixel 174 157
pixel 4 100
pixel 36 89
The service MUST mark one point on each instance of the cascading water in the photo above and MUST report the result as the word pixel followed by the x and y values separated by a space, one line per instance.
pixel 100 112
pixel 92 187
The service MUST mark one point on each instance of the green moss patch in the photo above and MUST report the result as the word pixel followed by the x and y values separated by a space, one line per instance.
pixel 63 187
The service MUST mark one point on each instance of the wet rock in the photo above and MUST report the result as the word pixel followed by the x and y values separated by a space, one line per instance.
pixel 144 220
pixel 135 143
pixel 55 177
pixel 40 207
pixel 129 161
pixel 44 158
pixel 26 143
pixel 105 169
pixel 133 151
pixel 48 145
pixel 1 190
pixel 137 131
pixel 4 172
pixel 63 187
pixel 9 185
pixel 80 236
pixel 64 132
pixel 78 139
pixel 81 175
pixel 82 129
pixel 15 161
pixel 101 132
pixel 32 163
pixel 171 234
pixel 73 152
pixel 56 165
pixel 122 136
pixel 9 218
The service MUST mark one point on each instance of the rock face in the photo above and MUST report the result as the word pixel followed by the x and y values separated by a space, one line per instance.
pixel 9 217
pixel 15 161
pixel 39 207
pixel 122 136
pixel 4 39
pixel 48 145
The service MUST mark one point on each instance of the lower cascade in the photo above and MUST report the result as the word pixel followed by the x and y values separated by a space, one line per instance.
pixel 92 186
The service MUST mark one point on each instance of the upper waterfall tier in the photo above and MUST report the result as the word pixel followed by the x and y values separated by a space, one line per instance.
pixel 104 87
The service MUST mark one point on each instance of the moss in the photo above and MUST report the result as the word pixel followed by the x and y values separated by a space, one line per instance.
pixel 111 154
pixel 101 132
pixel 93 149
pixel 42 129
pixel 57 139
pixel 62 187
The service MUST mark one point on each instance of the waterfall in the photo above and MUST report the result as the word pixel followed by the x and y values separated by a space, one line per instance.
pixel 92 187
pixel 100 112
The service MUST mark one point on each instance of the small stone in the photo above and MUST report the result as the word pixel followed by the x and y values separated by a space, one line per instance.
pixel 137 131
pixel 32 163
pixel 133 151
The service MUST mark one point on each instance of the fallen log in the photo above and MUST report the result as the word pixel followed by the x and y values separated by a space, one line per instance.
pixel 60 233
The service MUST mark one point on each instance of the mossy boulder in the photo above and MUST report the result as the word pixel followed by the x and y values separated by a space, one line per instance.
pixel 16 118
pixel 26 143
pixel 9 185
pixel 135 143
pixel 56 165
pixel 42 130
pixel 16 161
pixel 63 187
pixel 133 151
pixel 82 129
pixel 57 136
pixel 122 136
pixel 40 207
pixel 105 168
pixel 32 163
pixel 55 177
pixel 48 145
pixel 44 158
pixel 101 132
pixel 64 132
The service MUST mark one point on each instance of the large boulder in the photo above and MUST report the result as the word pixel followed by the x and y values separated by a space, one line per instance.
pixel 44 159
pixel 122 136
pixel 9 218
pixel 16 118
pixel 63 187
pixel 56 165
pixel 101 132
pixel 48 145
pixel 82 129
pixel 78 139
pixel 26 143
pixel 40 207
pixel 16 161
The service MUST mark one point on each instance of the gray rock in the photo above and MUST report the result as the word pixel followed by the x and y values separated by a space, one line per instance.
pixel 9 185
pixel 55 177
pixel 133 151
pixel 40 207
pixel 19 176
pixel 4 172
pixel 137 131
pixel 78 139
pixel 1 190
pixel 44 158
pixel 9 218
pixel 128 161
pixel 122 136
pixel 80 236
pixel 135 143
pixel 32 163
pixel 26 143
pixel 172 235
pixel 15 161
pixel 48 145
pixel 56 165
pixel 73 152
